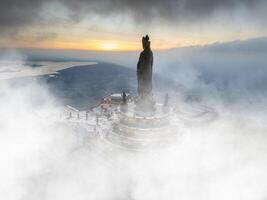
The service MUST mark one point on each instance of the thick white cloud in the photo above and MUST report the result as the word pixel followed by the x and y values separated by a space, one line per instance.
pixel 43 158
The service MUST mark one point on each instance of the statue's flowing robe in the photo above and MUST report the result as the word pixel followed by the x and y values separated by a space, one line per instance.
pixel 144 72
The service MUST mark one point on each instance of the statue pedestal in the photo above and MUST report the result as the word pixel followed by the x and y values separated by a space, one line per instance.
pixel 145 105
pixel 139 130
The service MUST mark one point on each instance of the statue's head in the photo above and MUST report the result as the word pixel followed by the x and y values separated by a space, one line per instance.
pixel 146 42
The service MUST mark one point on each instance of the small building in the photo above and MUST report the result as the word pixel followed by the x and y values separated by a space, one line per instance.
pixel 114 99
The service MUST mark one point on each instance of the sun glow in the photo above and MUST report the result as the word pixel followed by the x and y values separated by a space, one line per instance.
pixel 104 44
pixel 108 46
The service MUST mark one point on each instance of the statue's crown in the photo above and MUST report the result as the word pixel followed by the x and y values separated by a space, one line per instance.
pixel 146 42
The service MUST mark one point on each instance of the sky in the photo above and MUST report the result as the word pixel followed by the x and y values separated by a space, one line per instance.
pixel 119 24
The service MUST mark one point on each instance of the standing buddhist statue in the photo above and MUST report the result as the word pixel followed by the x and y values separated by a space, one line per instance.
pixel 144 77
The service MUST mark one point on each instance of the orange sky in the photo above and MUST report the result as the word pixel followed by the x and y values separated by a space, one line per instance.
pixel 112 44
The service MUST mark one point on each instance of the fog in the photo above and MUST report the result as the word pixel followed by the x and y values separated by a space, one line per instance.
pixel 43 157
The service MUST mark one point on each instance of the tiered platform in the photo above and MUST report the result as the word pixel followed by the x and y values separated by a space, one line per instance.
pixel 138 131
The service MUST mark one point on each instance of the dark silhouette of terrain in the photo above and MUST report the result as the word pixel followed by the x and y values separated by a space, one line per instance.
pixel 84 86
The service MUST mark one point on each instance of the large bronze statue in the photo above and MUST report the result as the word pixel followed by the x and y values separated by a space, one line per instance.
pixel 144 77
pixel 144 69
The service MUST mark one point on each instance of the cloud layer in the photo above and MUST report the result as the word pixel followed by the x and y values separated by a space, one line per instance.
pixel 15 13
pixel 44 158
